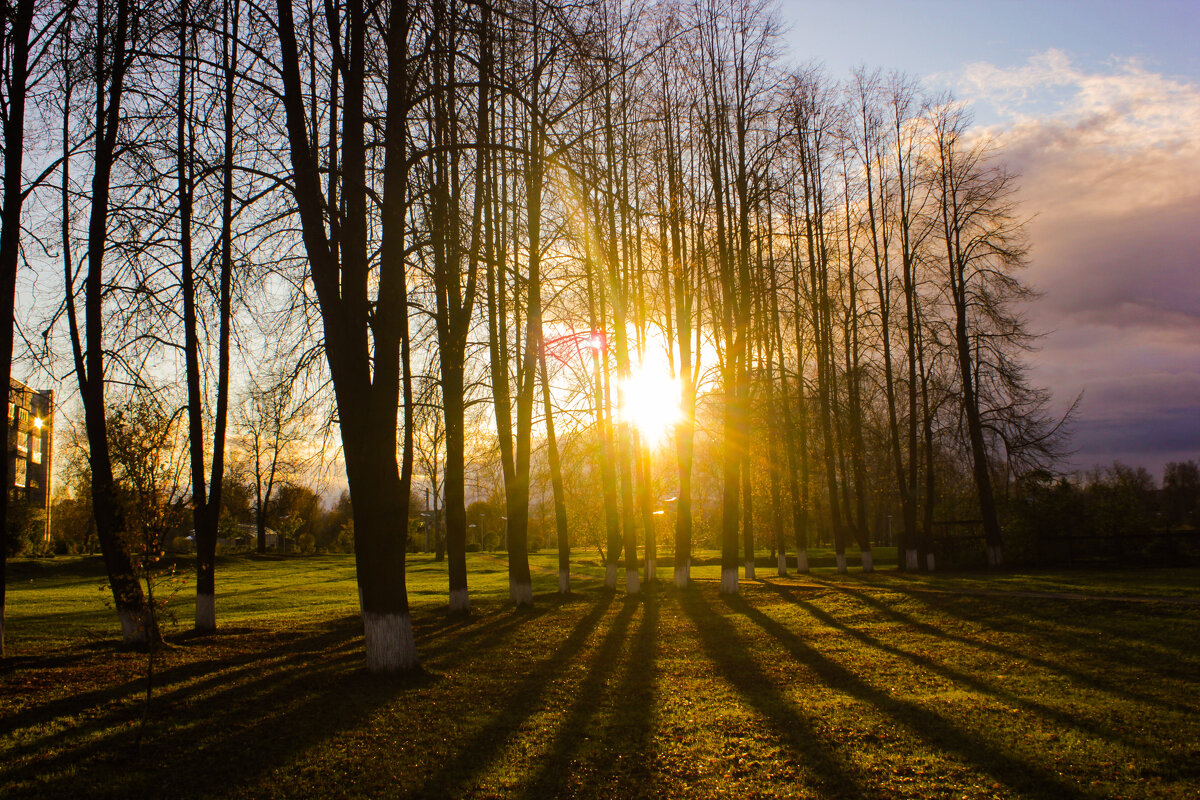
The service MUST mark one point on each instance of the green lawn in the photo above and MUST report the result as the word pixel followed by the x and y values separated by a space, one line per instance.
pixel 1053 685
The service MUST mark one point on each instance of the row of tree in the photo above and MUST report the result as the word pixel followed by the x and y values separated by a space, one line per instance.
pixel 484 219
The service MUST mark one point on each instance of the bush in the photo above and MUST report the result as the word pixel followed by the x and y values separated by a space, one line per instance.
pixel 26 525
pixel 473 548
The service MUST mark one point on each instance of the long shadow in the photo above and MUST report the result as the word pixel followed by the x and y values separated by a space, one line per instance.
pixel 1087 617
pixel 477 754
pixel 1091 680
pixel 1026 778
pixel 727 650
pixel 441 640
pixel 269 715
pixel 216 668
pixel 175 688
pixel 957 676
pixel 629 761
pixel 572 731
pixel 482 632
pixel 180 684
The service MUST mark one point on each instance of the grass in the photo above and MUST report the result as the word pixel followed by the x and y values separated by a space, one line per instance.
pixel 1044 685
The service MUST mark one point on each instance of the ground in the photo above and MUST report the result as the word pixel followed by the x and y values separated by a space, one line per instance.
pixel 1052 685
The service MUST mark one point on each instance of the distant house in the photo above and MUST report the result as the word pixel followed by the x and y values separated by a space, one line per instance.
pixel 247 536
pixel 243 537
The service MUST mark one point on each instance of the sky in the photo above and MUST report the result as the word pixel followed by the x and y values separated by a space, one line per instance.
pixel 1097 106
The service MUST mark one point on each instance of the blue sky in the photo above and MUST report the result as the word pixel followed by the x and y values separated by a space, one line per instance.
pixel 933 36
pixel 1097 106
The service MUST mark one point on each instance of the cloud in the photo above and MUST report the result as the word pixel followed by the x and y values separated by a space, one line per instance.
pixel 1110 170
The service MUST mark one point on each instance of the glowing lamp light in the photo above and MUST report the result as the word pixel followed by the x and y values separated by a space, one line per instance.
pixel 37 423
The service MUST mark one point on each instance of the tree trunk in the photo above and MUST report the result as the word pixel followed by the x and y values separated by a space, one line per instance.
pixel 10 236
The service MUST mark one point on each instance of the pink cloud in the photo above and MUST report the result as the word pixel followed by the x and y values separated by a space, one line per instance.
pixel 1110 173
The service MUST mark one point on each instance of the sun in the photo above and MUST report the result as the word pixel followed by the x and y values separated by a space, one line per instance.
pixel 650 400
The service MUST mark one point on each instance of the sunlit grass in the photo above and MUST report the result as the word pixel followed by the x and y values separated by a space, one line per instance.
pixel 852 685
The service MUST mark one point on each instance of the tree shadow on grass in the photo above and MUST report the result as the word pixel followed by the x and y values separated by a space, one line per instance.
pixel 629 760
pixel 626 741
pixel 294 645
pixel 1066 617
pixel 176 688
pixel 946 605
pixel 974 683
pixel 477 754
pixel 229 728
pixel 832 772
pixel 220 722
pixel 1028 780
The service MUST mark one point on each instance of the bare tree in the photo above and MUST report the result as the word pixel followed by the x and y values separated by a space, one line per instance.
pixel 274 426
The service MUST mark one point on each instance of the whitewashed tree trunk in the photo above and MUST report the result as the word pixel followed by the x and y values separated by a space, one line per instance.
pixel 389 641
pixel 749 570
pixel 868 561
pixel 802 561
pixel 995 556
pixel 841 562
pixel 520 593
pixel 651 569
pixel 206 612
pixel 633 582
pixel 781 564
pixel 610 577
pixel 460 601
pixel 929 561
pixel 729 581
pixel 564 581
pixel 683 574
pixel 912 559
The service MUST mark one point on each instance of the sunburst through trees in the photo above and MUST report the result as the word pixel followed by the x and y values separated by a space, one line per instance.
pixel 673 291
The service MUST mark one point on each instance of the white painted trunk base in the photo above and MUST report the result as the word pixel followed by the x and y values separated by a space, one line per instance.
pixel 781 564
pixel 135 631
pixel 912 560
pixel 683 574
pixel 633 582
pixel 749 570
pixel 2 652
pixel 651 570
pixel 389 640
pixel 729 581
pixel 929 561
pixel 564 581
pixel 206 612
pixel 802 561
pixel 841 562
pixel 995 556
pixel 868 561
pixel 610 577
pixel 521 593
pixel 460 601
